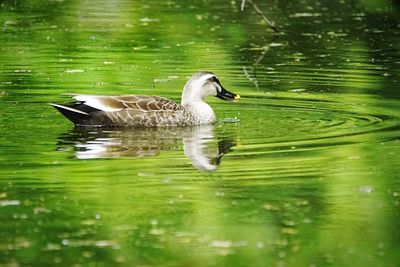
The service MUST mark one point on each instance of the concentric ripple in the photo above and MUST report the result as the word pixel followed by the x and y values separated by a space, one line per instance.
pixel 290 122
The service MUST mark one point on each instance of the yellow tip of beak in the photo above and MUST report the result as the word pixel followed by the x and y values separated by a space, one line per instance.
pixel 237 97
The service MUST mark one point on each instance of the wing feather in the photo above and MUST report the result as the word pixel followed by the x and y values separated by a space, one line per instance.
pixel 150 103
pixel 143 103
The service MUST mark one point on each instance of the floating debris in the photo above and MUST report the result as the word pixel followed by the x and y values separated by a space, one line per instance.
pixel 160 80
pixel 288 230
pixel 303 15
pixel 336 34
pixel 230 120
pixel 366 189
pixel 221 243
pixel 298 90
pixel 104 243
pixel 23 71
pixel 10 22
pixel 157 231
pixel 146 20
pixel 9 203
pixel 268 206
pixel 74 70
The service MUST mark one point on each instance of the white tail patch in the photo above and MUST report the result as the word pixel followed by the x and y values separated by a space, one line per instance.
pixel 96 102
pixel 69 108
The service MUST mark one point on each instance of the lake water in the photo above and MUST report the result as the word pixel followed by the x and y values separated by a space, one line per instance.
pixel 303 171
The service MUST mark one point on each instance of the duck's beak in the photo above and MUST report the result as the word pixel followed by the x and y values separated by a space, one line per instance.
pixel 226 95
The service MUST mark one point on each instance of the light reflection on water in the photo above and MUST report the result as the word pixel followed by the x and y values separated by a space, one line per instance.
pixel 92 143
pixel 305 176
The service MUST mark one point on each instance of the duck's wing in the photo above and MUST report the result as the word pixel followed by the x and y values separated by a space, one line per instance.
pixel 148 103
pixel 143 103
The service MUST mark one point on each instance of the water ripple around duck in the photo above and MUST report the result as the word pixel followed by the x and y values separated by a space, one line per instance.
pixel 278 130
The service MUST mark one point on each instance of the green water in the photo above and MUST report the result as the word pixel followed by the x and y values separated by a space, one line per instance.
pixel 303 171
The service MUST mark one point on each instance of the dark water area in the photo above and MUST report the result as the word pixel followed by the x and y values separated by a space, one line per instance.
pixel 302 171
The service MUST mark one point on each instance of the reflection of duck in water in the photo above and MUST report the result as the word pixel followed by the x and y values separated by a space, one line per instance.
pixel 199 143
pixel 149 111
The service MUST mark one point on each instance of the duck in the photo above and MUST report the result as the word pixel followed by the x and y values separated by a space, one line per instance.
pixel 148 110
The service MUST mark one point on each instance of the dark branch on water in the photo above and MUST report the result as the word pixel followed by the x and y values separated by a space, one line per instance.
pixel 259 12
pixel 253 77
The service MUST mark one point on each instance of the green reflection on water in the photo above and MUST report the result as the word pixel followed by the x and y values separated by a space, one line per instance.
pixel 305 166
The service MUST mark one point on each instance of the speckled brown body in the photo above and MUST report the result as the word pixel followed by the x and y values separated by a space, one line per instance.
pixel 149 111
pixel 135 111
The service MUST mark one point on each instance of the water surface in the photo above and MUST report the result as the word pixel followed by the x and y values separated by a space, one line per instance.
pixel 303 171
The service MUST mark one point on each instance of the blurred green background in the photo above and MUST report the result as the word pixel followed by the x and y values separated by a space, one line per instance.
pixel 309 173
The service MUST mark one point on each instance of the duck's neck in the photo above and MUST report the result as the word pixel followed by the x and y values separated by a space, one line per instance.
pixel 191 93
pixel 192 100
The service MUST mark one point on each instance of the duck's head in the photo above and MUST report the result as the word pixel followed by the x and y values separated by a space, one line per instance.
pixel 203 84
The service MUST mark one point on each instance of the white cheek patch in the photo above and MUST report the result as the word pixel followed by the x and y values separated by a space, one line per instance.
pixel 209 88
pixel 205 79
pixel 219 89
pixel 202 82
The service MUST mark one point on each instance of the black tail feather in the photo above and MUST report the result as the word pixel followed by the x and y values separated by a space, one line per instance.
pixel 73 113
pixel 83 115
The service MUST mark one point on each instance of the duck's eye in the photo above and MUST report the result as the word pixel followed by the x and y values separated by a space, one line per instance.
pixel 213 79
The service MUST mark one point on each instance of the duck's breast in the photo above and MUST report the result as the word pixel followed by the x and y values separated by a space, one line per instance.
pixel 201 113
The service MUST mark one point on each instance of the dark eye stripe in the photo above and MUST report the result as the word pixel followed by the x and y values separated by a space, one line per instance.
pixel 215 79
